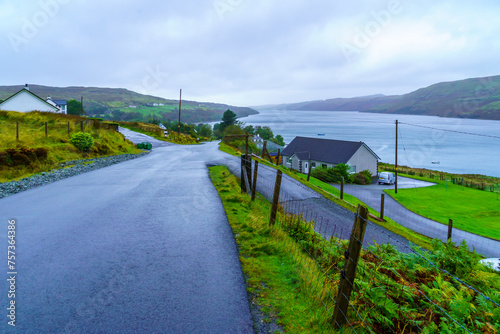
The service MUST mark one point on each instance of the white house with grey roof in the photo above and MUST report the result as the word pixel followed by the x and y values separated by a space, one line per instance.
pixel 26 101
pixel 327 153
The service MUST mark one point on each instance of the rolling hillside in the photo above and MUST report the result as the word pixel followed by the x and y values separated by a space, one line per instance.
pixel 470 98
pixel 125 105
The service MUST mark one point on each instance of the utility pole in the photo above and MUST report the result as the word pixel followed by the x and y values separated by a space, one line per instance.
pixel 81 105
pixel 179 124
pixel 396 163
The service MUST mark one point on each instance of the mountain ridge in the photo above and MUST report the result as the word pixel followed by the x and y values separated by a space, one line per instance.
pixel 127 105
pixel 468 98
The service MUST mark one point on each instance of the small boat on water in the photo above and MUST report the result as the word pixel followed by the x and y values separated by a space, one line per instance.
pixel 435 162
pixel 321 134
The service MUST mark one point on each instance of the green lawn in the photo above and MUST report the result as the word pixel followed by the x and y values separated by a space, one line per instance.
pixel 472 210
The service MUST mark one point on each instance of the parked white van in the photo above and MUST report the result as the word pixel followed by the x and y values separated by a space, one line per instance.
pixel 386 178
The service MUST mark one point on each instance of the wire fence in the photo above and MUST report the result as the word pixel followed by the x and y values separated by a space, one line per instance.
pixel 21 131
pixel 389 286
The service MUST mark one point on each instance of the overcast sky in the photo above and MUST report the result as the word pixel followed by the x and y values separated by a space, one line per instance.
pixel 248 52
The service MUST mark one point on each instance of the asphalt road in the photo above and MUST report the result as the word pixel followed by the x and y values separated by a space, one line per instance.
pixel 139 247
pixel 370 194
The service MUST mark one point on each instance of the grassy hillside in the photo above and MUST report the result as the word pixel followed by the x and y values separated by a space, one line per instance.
pixel 344 104
pixel 470 98
pixel 114 103
pixel 35 152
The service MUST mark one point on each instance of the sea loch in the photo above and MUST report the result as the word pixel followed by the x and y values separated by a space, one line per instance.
pixel 465 146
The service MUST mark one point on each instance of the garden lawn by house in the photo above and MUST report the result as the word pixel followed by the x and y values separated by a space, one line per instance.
pixel 472 210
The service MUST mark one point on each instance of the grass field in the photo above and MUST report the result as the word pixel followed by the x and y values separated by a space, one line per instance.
pixel 472 210
pixel 56 142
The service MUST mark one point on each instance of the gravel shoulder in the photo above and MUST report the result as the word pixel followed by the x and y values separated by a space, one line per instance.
pixel 67 169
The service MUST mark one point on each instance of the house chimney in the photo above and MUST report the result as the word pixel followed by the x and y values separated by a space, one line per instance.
pixel 26 87
pixel 49 98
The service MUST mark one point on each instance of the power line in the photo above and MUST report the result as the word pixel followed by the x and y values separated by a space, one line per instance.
pixel 455 131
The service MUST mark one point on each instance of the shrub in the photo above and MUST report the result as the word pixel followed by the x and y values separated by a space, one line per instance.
pixel 82 141
pixel 334 174
pixel 359 178
pixel 368 176
pixel 324 175
pixel 342 170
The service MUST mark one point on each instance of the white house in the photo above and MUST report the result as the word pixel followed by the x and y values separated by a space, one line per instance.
pixel 26 101
pixel 61 104
pixel 327 153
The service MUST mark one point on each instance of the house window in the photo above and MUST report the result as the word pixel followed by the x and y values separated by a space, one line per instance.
pixel 289 160
pixel 313 164
pixel 324 166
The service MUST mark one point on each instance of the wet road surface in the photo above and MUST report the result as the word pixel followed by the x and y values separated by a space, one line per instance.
pixel 139 247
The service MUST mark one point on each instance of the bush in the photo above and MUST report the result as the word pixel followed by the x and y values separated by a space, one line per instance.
pixel 324 174
pixel 363 177
pixel 359 178
pixel 82 141
pixel 334 174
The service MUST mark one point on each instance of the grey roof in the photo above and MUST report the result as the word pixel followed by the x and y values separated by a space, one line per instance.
pixel 302 155
pixel 324 150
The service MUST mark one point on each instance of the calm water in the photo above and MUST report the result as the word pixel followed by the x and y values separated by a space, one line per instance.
pixel 418 147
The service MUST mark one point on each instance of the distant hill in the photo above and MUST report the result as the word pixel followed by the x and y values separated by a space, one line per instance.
pixel 126 105
pixel 470 98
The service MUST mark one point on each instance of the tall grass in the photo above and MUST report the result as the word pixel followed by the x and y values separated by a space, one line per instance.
pixel 57 142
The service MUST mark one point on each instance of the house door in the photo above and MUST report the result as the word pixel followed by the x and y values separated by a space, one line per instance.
pixel 307 167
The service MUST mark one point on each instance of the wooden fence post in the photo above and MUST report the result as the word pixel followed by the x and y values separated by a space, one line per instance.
pixel 17 131
pixel 351 262
pixel 450 229
pixel 254 186
pixel 68 129
pixel 46 133
pixel 382 204
pixel 309 171
pixel 276 196
pixel 342 188
pixel 81 126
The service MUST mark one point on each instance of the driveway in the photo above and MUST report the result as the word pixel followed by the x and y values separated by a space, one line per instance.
pixel 370 194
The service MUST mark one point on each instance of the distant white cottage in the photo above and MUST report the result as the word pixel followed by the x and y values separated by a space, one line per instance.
pixel 26 101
